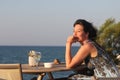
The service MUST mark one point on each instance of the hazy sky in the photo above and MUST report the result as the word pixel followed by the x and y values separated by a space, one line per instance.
pixel 49 22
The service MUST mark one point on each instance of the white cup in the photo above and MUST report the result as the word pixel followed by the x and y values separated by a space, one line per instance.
pixel 48 64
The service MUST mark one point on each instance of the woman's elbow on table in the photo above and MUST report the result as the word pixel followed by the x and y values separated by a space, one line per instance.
pixel 68 66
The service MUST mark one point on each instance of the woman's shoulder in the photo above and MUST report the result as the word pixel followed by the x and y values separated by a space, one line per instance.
pixel 89 44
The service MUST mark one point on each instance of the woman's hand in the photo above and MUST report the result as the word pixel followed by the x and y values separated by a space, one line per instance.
pixel 71 39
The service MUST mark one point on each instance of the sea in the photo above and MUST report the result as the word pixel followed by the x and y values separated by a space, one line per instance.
pixel 19 54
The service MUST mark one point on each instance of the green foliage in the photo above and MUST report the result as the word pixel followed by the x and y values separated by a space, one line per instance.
pixel 109 36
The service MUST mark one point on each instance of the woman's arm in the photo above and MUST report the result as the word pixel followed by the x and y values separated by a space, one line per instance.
pixel 81 54
pixel 68 56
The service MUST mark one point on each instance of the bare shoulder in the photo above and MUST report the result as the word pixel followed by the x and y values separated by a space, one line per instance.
pixel 86 48
pixel 88 45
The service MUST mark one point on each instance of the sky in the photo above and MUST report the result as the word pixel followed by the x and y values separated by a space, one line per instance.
pixel 50 22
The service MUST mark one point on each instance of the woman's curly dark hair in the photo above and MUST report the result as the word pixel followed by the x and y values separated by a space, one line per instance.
pixel 88 28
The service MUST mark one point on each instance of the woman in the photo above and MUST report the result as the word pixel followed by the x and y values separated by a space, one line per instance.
pixel 97 62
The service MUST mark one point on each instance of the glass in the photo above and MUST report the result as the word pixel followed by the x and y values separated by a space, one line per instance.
pixel 37 58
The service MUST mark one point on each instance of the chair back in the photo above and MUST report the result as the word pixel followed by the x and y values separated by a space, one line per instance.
pixel 10 72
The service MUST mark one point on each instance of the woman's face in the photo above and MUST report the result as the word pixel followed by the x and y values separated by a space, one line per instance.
pixel 79 33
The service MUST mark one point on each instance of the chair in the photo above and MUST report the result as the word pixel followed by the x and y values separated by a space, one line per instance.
pixel 10 72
